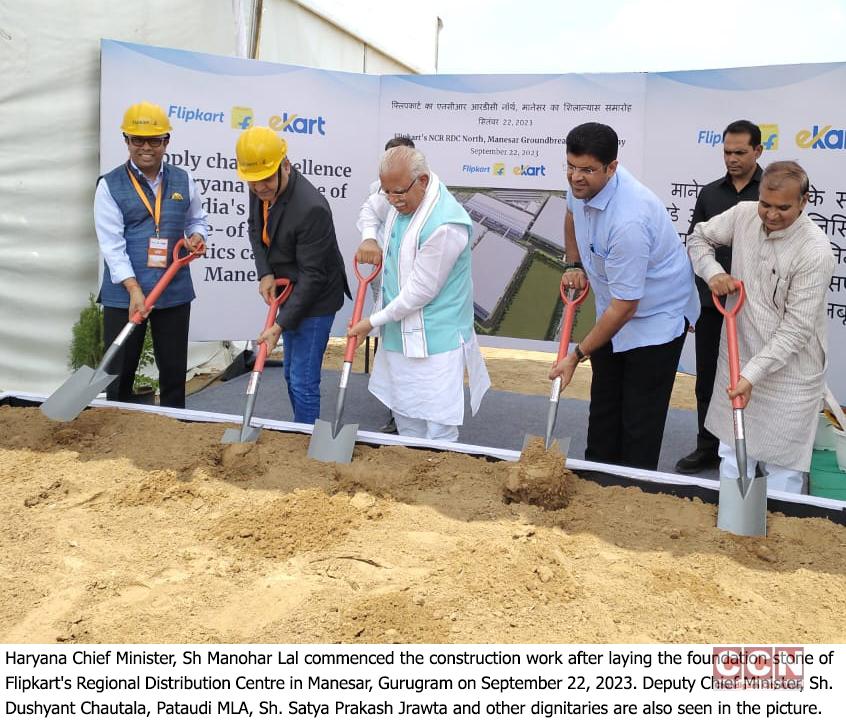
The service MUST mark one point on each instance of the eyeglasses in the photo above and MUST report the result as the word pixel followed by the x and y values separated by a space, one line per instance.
pixel 154 141
pixel 584 171
pixel 400 193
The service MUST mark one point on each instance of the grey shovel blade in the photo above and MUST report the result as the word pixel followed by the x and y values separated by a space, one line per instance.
pixel 326 448
pixel 563 443
pixel 66 402
pixel 240 436
pixel 743 515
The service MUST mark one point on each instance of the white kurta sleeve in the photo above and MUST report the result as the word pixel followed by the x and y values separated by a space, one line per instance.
pixel 372 214
pixel 432 266
pixel 804 299
pixel 705 238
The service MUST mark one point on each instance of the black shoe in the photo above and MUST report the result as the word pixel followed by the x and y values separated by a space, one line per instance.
pixel 390 427
pixel 696 461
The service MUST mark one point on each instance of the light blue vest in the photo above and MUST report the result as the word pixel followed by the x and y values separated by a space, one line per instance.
pixel 139 228
pixel 448 318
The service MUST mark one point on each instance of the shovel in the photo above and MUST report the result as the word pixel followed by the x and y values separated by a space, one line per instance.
pixel 247 433
pixel 571 303
pixel 742 508
pixel 66 402
pixel 327 443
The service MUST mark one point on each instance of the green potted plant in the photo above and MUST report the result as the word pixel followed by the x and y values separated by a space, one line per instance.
pixel 87 350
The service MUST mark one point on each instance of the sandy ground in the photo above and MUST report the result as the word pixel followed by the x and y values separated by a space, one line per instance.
pixel 122 527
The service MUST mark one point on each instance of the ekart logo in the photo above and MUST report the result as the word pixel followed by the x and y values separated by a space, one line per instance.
pixel 821 137
pixel 294 124
pixel 194 113
pixel 241 117
pixel 524 171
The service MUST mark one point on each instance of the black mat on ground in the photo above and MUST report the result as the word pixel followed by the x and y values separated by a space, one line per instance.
pixel 502 420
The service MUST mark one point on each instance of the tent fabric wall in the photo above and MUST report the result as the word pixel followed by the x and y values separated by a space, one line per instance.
pixel 50 56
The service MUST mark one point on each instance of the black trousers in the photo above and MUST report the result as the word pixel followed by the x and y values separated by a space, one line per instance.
pixel 629 398
pixel 708 329
pixel 169 328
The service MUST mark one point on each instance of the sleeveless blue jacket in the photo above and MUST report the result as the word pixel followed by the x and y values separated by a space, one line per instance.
pixel 448 318
pixel 139 227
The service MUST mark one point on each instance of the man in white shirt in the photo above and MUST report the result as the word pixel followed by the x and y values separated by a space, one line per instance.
pixel 141 210
pixel 371 217
pixel 427 294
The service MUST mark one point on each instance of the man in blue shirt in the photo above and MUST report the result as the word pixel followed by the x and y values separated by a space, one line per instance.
pixel 619 236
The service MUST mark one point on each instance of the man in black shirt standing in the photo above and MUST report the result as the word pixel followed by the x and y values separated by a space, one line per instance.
pixel 741 151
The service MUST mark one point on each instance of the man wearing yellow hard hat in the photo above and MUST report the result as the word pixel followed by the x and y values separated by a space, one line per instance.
pixel 293 236
pixel 141 209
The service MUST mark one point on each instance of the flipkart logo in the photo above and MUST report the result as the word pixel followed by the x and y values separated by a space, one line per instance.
pixel 821 137
pixel 242 117
pixel 769 136
pixel 498 169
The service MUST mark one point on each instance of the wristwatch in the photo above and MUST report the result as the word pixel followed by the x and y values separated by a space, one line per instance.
pixel 580 355
pixel 573 266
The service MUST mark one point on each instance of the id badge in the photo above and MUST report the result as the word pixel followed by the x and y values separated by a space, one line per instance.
pixel 157 252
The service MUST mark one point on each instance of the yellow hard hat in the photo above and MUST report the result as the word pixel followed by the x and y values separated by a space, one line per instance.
pixel 260 151
pixel 146 119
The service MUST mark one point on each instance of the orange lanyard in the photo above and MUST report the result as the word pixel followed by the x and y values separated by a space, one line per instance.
pixel 143 197
pixel 264 237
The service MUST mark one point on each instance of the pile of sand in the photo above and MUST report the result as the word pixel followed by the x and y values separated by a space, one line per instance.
pixel 123 527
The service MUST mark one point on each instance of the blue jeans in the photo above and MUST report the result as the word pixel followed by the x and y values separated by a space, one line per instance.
pixel 304 349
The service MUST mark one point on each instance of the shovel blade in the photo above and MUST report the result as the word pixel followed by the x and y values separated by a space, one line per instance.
pixel 563 444
pixel 66 402
pixel 743 514
pixel 244 435
pixel 326 448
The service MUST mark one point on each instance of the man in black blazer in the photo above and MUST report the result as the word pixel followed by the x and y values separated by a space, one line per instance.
pixel 293 236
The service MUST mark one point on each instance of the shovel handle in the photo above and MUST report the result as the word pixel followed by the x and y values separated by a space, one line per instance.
pixel 571 303
pixel 358 307
pixel 177 264
pixel 287 288
pixel 730 315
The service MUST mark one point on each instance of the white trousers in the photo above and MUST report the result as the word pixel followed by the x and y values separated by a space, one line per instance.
pixel 778 478
pixel 408 427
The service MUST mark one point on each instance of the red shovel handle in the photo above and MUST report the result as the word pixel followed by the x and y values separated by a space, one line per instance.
pixel 570 306
pixel 287 288
pixel 177 264
pixel 731 338
pixel 358 307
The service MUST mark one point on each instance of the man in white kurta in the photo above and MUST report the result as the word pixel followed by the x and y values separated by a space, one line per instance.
pixel 785 263
pixel 427 296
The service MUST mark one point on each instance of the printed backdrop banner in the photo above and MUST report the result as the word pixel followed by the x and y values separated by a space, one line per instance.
pixel 496 141
pixel 328 120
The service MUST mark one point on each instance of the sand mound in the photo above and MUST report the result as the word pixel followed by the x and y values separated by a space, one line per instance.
pixel 122 527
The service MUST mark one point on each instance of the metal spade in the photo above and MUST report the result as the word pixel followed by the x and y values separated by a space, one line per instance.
pixel 247 433
pixel 742 508
pixel 328 444
pixel 572 300
pixel 66 402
